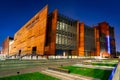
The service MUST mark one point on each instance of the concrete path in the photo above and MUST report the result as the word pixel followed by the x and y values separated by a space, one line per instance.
pixel 21 71
pixel 106 62
pixel 67 76
pixel 95 67
pixel 29 69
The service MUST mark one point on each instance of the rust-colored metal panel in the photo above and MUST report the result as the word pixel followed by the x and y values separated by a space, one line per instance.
pixel 76 52
pixel 104 28
pixel 6 45
pixel 81 39
pixel 32 34
pixel 52 24
pixel 97 42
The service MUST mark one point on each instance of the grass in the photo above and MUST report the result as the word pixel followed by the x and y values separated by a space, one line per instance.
pixel 110 60
pixel 101 64
pixel 95 73
pixel 30 76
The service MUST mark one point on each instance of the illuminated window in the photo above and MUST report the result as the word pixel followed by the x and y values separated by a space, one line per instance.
pixel 108 43
pixel 60 39
pixel 56 38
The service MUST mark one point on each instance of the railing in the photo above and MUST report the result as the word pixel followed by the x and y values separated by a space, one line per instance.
pixel 115 75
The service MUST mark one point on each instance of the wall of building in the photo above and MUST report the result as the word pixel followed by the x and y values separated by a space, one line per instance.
pixel 112 41
pixel 105 41
pixel 6 46
pixel 61 35
pixel 89 41
pixel 51 33
pixel 81 39
pixel 32 36
pixel 66 35
pixel 97 42
pixel 86 42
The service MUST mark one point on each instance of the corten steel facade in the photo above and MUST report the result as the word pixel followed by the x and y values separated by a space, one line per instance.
pixel 6 46
pixel 30 39
pixel 105 40
pixel 86 41
pixel 55 34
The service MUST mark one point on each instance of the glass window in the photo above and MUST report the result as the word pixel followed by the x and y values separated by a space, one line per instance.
pixel 66 33
pixel 60 39
pixel 56 38
pixel 63 26
pixel 58 25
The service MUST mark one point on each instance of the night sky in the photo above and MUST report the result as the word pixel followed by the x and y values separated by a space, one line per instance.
pixel 15 13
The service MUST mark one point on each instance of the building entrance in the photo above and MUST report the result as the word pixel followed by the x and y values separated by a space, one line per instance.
pixel 19 53
pixel 34 51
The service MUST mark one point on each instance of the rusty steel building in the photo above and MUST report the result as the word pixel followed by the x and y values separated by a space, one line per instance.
pixel 105 40
pixel 55 34
pixel 6 46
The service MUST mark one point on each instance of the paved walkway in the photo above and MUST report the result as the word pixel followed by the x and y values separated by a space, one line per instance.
pixel 22 71
pixel 67 76
pixel 106 62
pixel 29 69
pixel 95 67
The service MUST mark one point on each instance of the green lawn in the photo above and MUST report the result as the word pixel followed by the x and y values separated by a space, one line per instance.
pixel 95 73
pixel 110 60
pixel 30 76
pixel 103 64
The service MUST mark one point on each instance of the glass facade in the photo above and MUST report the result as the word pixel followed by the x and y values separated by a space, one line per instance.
pixel 103 42
pixel 89 40
pixel 112 40
pixel 66 33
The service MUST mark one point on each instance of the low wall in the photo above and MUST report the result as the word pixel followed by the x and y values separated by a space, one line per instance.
pixel 115 75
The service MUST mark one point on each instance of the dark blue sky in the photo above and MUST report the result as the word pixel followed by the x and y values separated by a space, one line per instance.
pixel 15 13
